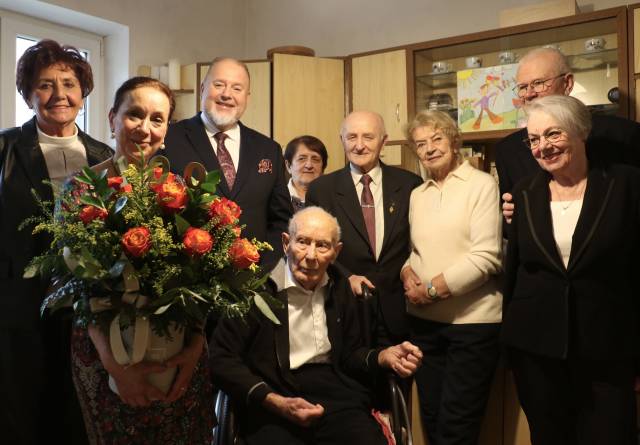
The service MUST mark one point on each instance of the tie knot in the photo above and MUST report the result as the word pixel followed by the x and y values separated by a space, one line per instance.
pixel 366 180
pixel 220 137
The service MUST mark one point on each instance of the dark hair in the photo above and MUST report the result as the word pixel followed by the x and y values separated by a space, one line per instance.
pixel 139 82
pixel 312 143
pixel 44 54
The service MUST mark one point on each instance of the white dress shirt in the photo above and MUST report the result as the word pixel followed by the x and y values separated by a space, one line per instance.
pixel 308 334
pixel 232 143
pixel 63 156
pixel 376 191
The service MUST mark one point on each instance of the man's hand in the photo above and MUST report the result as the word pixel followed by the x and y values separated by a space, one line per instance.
pixel 404 359
pixel 356 284
pixel 507 207
pixel 294 409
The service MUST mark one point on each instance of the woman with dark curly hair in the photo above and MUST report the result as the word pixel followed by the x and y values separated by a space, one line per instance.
pixel 38 399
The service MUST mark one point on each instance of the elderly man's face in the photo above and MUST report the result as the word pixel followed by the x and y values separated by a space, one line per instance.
pixel 543 67
pixel 311 249
pixel 225 92
pixel 362 138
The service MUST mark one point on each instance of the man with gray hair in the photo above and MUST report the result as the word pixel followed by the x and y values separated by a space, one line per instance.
pixel 371 201
pixel 251 164
pixel 544 72
pixel 304 381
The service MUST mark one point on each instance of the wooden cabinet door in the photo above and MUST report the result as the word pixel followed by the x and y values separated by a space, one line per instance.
pixel 379 83
pixel 308 98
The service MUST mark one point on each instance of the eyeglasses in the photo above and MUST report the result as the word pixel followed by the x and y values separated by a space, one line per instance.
pixel 551 135
pixel 538 86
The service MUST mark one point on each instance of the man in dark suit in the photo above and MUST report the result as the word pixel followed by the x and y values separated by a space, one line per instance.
pixel 543 72
pixel 303 381
pixel 251 164
pixel 371 202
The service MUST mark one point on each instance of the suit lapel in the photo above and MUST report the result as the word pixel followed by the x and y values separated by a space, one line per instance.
pixel 596 197
pixel 538 216
pixel 281 332
pixel 390 202
pixel 32 160
pixel 350 202
pixel 247 161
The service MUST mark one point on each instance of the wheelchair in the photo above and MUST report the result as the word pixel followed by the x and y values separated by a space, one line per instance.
pixel 227 433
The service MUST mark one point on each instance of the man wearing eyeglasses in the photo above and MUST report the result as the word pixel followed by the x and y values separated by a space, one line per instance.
pixel 544 72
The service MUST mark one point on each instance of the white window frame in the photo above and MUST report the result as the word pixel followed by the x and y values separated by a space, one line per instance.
pixel 13 26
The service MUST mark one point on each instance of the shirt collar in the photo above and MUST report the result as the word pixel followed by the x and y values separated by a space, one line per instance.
pixel 292 190
pixel 290 282
pixel 375 173
pixel 62 141
pixel 210 127
pixel 462 172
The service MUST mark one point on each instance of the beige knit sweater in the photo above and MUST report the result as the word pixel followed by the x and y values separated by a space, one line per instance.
pixel 457 230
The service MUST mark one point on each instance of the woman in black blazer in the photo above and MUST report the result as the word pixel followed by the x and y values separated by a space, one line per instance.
pixel 38 400
pixel 571 296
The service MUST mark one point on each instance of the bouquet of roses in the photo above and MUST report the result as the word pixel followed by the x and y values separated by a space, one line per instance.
pixel 149 245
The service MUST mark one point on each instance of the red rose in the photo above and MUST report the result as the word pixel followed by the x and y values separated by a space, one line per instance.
pixel 243 253
pixel 172 195
pixel 117 183
pixel 137 241
pixel 225 211
pixel 197 242
pixel 89 213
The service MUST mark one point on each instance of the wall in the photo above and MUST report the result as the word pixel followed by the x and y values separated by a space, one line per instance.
pixel 340 27
pixel 191 30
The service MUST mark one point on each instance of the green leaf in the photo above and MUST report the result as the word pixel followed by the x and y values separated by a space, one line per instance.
pixel 213 177
pixel 120 203
pixel 181 224
pixel 82 178
pixel 30 271
pixel 208 187
pixel 262 305
pixel 207 198
pixel 92 201
pixel 89 173
pixel 163 309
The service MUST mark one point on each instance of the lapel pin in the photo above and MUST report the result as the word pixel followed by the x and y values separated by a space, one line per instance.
pixel 392 207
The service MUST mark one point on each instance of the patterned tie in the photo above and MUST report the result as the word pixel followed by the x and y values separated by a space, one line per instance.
pixel 297 204
pixel 368 211
pixel 224 158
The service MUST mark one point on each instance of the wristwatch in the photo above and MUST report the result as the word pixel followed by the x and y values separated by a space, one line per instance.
pixel 432 293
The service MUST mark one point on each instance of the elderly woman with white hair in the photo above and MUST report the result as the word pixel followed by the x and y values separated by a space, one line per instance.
pixel 450 282
pixel 571 317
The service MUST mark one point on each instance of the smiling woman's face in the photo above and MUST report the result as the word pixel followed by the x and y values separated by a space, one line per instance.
pixel 435 150
pixel 554 157
pixel 56 100
pixel 141 121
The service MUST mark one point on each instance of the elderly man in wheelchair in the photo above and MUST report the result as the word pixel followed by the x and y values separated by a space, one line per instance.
pixel 306 380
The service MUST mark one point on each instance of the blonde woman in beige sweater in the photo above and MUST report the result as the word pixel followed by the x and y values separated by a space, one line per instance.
pixel 450 282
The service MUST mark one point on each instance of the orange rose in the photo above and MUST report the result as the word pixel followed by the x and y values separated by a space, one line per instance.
pixel 197 242
pixel 224 210
pixel 89 213
pixel 172 195
pixel 243 253
pixel 117 183
pixel 137 241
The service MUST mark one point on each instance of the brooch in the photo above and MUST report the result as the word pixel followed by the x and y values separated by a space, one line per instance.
pixel 264 166
pixel 392 207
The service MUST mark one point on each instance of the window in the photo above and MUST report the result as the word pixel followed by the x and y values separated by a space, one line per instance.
pixel 18 33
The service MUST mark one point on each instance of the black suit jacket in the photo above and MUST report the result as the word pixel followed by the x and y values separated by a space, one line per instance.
pixel 612 139
pixel 336 193
pixel 23 168
pixel 260 188
pixel 250 358
pixel 590 308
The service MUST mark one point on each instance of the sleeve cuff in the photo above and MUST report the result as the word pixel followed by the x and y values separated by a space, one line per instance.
pixel 257 393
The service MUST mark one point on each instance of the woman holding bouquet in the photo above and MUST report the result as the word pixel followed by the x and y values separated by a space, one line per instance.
pixel 38 399
pixel 141 413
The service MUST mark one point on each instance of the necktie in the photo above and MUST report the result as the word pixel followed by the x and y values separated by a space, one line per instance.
pixel 368 211
pixel 224 158
pixel 296 204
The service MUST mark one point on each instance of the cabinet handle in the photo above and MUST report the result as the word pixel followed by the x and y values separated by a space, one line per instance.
pixel 398 112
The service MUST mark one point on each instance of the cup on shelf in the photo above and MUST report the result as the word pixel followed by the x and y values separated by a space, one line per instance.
pixel 506 57
pixel 441 67
pixel 594 44
pixel 473 62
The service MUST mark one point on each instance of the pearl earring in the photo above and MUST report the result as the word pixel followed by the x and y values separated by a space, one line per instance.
pixel 113 134
pixel 162 146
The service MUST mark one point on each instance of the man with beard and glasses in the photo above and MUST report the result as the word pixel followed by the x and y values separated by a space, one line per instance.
pixel 251 164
